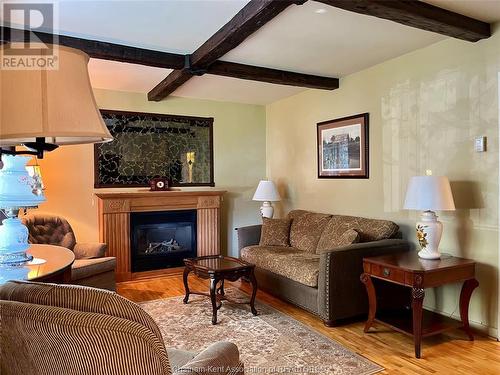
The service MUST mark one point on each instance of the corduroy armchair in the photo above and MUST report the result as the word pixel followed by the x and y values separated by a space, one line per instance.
pixel 91 267
pixel 76 330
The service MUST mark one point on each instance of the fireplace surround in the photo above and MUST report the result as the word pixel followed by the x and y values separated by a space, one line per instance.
pixel 116 211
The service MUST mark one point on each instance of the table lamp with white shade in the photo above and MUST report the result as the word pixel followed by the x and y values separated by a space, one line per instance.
pixel 40 109
pixel 266 193
pixel 429 194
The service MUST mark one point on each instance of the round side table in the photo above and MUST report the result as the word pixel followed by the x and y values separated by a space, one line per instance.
pixel 51 264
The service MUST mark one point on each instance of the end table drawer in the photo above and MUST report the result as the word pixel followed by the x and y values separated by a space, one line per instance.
pixel 388 273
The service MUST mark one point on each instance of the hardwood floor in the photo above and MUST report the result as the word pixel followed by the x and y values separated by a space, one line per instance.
pixel 442 354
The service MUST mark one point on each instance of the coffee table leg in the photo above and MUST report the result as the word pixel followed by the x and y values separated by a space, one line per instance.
pixel 221 288
pixel 213 298
pixel 416 304
pixel 465 294
pixel 253 280
pixel 186 286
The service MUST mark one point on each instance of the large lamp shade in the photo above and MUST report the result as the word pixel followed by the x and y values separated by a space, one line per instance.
pixel 55 104
pixel 266 191
pixel 429 193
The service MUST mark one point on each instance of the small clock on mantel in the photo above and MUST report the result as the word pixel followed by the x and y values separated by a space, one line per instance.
pixel 159 184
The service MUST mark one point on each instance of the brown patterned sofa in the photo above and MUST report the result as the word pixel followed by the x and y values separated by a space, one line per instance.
pixel 76 330
pixel 318 271
pixel 91 267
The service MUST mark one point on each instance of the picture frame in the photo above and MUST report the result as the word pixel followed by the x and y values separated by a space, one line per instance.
pixel 343 147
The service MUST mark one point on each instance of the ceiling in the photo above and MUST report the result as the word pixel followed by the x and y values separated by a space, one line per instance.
pixel 484 10
pixel 312 38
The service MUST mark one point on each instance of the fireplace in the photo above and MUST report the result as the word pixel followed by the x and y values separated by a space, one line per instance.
pixel 115 216
pixel 162 239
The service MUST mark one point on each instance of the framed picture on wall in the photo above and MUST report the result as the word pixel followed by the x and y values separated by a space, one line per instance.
pixel 343 147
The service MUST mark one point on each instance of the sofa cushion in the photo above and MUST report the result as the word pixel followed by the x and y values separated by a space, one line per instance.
pixel 368 229
pixel 220 358
pixel 295 214
pixel 89 250
pixel 275 232
pixel 306 229
pixel 349 237
pixel 179 357
pixel 289 262
pixel 83 268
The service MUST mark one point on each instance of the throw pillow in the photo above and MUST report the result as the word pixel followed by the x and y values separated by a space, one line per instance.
pixel 275 232
pixel 306 230
pixel 349 237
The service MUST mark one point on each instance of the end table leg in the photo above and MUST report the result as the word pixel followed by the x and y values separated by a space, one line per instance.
pixel 213 298
pixel 186 286
pixel 467 289
pixel 372 300
pixel 253 280
pixel 416 304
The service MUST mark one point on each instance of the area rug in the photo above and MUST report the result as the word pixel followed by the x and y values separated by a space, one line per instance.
pixel 269 343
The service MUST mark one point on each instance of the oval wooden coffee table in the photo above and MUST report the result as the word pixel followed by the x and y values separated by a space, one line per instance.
pixel 218 268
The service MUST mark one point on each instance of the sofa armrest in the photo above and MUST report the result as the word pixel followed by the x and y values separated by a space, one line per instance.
pixel 248 236
pixel 90 250
pixel 340 291
pixel 221 358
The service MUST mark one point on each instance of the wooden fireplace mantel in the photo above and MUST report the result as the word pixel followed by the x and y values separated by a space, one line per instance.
pixel 114 220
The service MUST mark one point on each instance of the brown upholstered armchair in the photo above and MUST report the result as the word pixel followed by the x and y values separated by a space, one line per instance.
pixel 91 266
pixel 75 330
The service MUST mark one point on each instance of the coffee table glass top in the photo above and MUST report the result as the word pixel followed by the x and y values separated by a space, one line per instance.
pixel 217 263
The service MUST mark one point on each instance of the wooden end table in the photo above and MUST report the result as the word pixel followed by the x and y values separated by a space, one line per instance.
pixel 218 268
pixel 416 273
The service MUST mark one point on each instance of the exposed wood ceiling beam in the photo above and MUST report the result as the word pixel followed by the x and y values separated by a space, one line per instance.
pixel 252 17
pixel 419 15
pixel 100 50
pixel 134 55
pixel 280 77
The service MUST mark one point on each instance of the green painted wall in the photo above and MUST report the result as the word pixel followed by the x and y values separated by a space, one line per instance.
pixel 425 109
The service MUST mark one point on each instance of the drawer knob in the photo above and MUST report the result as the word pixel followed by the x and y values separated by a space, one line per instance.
pixel 387 271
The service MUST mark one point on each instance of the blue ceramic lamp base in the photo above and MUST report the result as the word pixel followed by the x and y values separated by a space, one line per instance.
pixel 17 190
pixel 13 253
